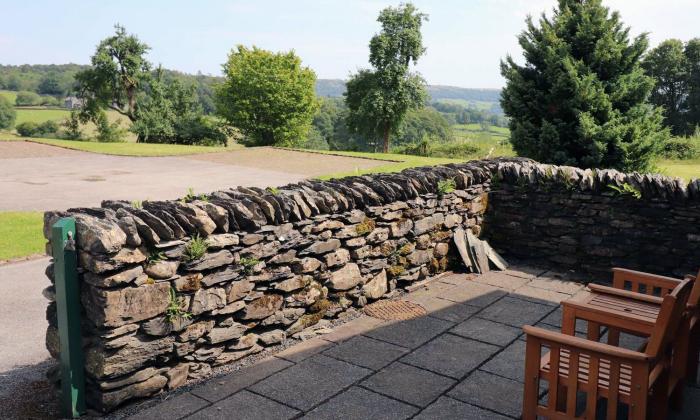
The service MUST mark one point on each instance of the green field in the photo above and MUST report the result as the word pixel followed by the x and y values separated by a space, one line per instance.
pixel 9 95
pixel 480 105
pixel 20 234
pixel 686 169
pixel 39 114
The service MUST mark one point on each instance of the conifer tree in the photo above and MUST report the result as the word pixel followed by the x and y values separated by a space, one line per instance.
pixel 582 97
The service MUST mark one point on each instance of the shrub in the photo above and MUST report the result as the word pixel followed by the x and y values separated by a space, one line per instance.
pixel 27 99
pixel 71 127
pixel 7 114
pixel 109 132
pixel 682 148
pixel 428 147
pixel 32 129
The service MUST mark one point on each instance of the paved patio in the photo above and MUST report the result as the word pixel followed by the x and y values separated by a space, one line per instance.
pixel 464 360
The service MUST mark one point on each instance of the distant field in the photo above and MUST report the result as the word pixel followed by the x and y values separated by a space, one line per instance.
pixel 9 95
pixel 480 105
pixel 474 128
pixel 686 169
pixel 40 115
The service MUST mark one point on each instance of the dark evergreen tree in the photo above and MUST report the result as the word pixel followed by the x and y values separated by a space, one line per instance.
pixel 582 98
pixel 692 56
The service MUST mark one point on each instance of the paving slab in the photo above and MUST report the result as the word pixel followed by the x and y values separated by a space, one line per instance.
pixel 501 280
pixel 360 403
pixel 447 408
pixel 216 389
pixel 472 293
pixel 246 405
pixel 310 382
pixel 556 285
pixel 524 271
pixel 172 408
pixel 408 383
pixel 450 355
pixel 543 296
pixel 351 329
pixel 516 312
pixel 510 363
pixel 443 309
pixel 305 349
pixel 411 333
pixel 366 352
pixel 488 391
pixel 487 331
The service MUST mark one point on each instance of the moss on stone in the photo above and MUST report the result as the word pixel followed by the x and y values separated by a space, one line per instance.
pixel 406 249
pixel 366 226
pixel 395 270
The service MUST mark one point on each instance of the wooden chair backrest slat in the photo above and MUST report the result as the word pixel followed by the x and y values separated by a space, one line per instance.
pixel 694 299
pixel 669 318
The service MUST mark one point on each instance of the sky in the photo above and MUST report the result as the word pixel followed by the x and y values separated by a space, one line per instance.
pixel 465 39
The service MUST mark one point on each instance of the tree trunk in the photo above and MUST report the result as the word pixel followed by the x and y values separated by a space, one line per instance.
pixel 387 132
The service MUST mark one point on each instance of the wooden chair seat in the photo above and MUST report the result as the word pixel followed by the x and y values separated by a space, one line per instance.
pixel 584 366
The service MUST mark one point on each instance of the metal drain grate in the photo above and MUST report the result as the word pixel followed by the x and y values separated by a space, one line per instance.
pixel 395 310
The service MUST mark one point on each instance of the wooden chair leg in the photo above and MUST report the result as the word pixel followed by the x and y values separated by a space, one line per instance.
pixel 613 337
pixel 658 404
pixel 693 355
pixel 679 367
pixel 532 385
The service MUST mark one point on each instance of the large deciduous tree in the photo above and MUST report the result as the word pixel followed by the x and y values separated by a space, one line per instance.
pixel 118 75
pixel 667 65
pixel 268 96
pixel 378 99
pixel 581 98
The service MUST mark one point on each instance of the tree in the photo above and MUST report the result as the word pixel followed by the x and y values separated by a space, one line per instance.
pixel 118 74
pixel 268 96
pixel 423 123
pixel 667 65
pixel 692 56
pixel 7 114
pixel 50 85
pixel 582 98
pixel 378 99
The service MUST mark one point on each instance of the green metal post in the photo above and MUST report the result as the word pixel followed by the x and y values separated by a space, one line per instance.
pixel 68 308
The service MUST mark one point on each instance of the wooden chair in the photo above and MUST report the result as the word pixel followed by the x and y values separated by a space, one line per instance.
pixel 649 289
pixel 638 379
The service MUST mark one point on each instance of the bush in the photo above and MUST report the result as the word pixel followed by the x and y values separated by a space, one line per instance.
pixel 32 129
pixel 427 147
pixel 682 148
pixel 7 114
pixel 27 99
pixel 109 132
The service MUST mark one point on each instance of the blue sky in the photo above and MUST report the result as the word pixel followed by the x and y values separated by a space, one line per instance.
pixel 465 39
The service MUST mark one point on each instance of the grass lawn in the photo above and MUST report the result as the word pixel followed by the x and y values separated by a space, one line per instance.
pixel 135 149
pixel 21 234
pixel 686 169
pixel 399 162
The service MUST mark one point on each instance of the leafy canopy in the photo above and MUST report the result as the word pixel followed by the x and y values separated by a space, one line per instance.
pixel 582 98
pixel 268 96
pixel 118 74
pixel 675 68
pixel 378 99
pixel 7 114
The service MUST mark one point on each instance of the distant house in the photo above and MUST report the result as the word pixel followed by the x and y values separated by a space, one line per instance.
pixel 72 102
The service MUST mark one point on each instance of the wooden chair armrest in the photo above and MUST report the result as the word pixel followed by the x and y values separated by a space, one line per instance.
pixel 639 277
pixel 625 293
pixel 585 345
pixel 620 320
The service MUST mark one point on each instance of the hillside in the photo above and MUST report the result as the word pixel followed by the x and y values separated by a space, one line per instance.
pixel 336 87
pixel 29 77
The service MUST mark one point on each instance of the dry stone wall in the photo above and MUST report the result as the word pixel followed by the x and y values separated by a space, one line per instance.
pixel 593 220
pixel 170 289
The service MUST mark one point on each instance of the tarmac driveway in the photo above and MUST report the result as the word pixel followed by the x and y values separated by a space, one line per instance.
pixel 39 177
